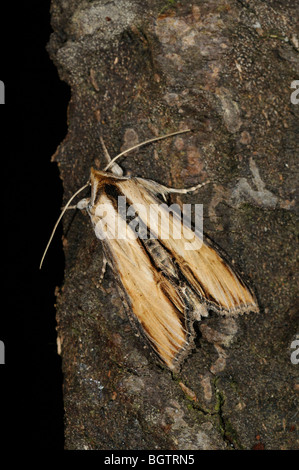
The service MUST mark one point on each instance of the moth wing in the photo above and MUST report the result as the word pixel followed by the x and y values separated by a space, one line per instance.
pixel 204 268
pixel 155 303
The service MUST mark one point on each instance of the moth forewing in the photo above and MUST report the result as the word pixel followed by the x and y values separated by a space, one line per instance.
pixel 202 267
pixel 153 300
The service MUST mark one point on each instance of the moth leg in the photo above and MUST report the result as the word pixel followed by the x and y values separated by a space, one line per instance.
pixel 157 188
pixel 185 190
pixel 103 272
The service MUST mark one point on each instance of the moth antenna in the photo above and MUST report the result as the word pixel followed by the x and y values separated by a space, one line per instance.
pixel 106 153
pixel 144 143
pixel 116 169
pixel 59 219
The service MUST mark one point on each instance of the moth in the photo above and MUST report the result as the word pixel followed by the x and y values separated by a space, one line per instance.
pixel 166 286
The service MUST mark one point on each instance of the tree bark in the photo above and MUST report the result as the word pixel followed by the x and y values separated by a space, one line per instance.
pixel 138 69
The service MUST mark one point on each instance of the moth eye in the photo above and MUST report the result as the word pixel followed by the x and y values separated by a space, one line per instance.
pixel 83 204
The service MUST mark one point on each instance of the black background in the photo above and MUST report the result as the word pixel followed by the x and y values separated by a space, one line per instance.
pixel 33 123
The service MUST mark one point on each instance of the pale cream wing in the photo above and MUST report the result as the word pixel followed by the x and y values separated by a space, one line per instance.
pixel 203 267
pixel 154 301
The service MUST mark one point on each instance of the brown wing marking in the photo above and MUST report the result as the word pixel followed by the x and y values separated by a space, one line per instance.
pixel 154 301
pixel 212 278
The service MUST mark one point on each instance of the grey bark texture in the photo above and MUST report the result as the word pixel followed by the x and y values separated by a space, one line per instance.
pixel 138 69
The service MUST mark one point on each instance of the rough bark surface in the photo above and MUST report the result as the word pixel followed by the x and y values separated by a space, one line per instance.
pixel 138 69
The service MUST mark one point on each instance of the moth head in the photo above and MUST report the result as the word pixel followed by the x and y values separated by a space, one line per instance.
pixel 83 203
pixel 95 180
